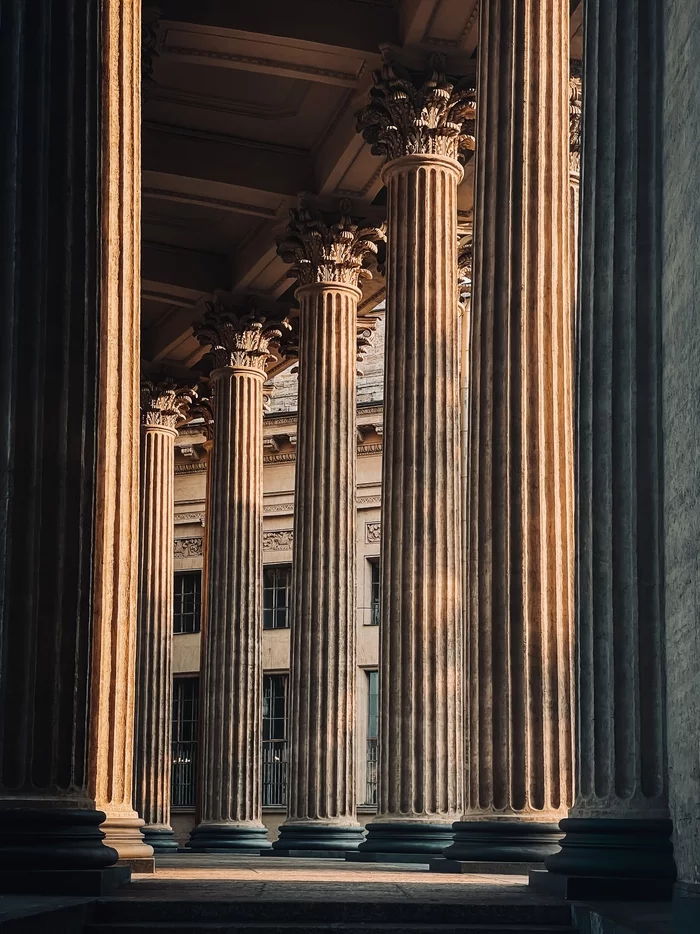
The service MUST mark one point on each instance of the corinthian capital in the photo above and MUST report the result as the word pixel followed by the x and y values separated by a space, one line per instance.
pixel 241 337
pixel 575 117
pixel 165 402
pixel 411 113
pixel 322 248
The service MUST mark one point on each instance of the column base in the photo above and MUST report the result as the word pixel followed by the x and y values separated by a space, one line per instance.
pixel 503 841
pixel 313 840
pixel 52 839
pixel 600 888
pixel 123 834
pixel 162 839
pixel 246 839
pixel 399 842
pixel 614 848
pixel 465 867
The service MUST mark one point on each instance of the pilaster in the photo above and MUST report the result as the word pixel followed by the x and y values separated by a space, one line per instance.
pixel 241 342
pixel 422 124
pixel 328 254
pixel 164 405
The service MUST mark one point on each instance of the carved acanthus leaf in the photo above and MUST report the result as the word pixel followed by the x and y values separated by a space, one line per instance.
pixel 412 113
pixel 241 337
pixel 165 402
pixel 322 248
pixel 575 116
pixel 465 256
pixel 203 409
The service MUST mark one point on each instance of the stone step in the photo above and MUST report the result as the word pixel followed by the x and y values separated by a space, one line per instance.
pixel 317 927
pixel 147 911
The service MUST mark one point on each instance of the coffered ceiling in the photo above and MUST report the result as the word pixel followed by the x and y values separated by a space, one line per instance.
pixel 249 103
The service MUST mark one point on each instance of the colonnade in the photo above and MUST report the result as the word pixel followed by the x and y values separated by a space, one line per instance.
pixel 476 726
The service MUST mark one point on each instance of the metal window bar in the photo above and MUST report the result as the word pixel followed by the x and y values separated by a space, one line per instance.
pixel 183 770
pixel 183 775
pixel 187 602
pixel 274 772
pixel 277 582
pixel 371 772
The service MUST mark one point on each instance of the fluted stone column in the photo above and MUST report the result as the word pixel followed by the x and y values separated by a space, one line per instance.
pixel 164 405
pixel 421 124
pixel 113 684
pixel 520 582
pixel 241 342
pixel 50 833
pixel 327 258
pixel 617 836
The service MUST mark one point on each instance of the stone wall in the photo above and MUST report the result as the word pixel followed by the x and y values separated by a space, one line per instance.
pixel 681 422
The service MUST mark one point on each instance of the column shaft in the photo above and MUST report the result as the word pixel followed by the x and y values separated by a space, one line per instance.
pixel 421 701
pixel 231 694
pixel 619 826
pixel 49 272
pixel 113 685
pixel 520 613
pixel 152 757
pixel 321 811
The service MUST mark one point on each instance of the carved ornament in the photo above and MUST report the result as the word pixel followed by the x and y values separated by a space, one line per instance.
pixel 241 337
pixel 189 547
pixel 281 540
pixel 165 403
pixel 324 249
pixel 411 113
pixel 373 532
pixel 465 256
pixel 203 409
pixel 575 116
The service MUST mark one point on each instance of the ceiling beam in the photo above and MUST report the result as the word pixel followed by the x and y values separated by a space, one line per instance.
pixel 163 265
pixel 211 157
pixel 344 24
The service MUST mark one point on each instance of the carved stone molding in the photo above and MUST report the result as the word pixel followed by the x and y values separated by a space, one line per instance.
pixel 465 254
pixel 575 115
pixel 373 532
pixel 327 248
pixel 280 540
pixel 165 403
pixel 412 113
pixel 191 468
pixel 187 518
pixel 188 547
pixel 241 336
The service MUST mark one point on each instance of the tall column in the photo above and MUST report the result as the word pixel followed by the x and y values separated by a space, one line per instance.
pixel 164 405
pixel 520 628
pixel 115 596
pixel 49 283
pixel 241 342
pixel 420 123
pixel 328 259
pixel 617 837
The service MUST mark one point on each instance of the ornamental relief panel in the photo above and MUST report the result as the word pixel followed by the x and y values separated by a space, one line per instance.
pixel 280 540
pixel 188 547
pixel 373 532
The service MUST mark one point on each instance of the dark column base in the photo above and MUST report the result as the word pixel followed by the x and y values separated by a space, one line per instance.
pixel 317 841
pixel 686 908
pixel 162 839
pixel 441 864
pixel 605 858
pixel 60 839
pixel 229 838
pixel 396 842
pixel 64 881
pixel 503 841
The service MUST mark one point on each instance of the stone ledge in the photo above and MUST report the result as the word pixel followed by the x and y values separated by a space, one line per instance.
pixel 600 888
pixel 64 881
pixel 442 864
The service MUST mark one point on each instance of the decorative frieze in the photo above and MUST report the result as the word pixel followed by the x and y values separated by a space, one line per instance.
pixel 188 547
pixel 280 540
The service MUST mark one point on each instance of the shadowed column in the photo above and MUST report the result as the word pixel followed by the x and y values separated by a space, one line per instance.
pixel 421 123
pixel 164 406
pixel 242 342
pixel 327 255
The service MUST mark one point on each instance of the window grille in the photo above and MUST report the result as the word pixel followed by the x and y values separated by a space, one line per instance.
pixel 277 586
pixel 374 601
pixel 188 601
pixel 184 744
pixel 274 747
pixel 372 737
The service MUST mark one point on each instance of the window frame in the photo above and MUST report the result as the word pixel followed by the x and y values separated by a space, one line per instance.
pixel 285 609
pixel 178 599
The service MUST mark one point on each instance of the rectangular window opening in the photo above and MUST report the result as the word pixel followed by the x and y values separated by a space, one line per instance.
pixel 184 742
pixel 188 602
pixel 277 589
pixel 372 737
pixel 274 745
